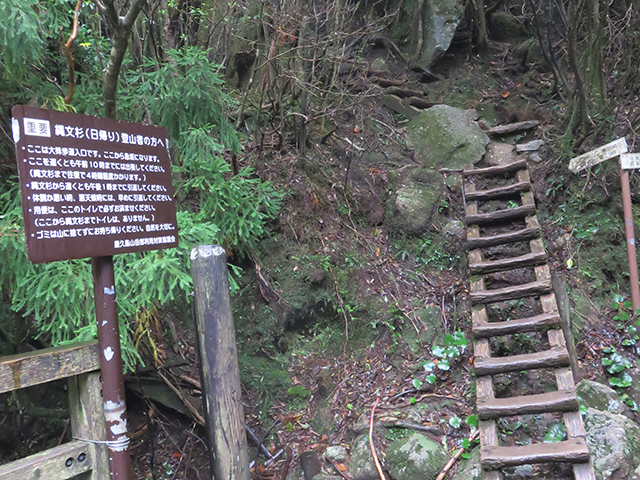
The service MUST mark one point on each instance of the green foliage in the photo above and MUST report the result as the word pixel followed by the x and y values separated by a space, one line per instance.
pixel 21 42
pixel 556 433
pixel 183 93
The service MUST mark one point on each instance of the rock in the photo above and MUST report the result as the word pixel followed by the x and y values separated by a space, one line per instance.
pixel 430 327
pixel 456 229
pixel 415 458
pixel 400 105
pixel 634 391
pixel 469 469
pixel 614 444
pixel 379 65
pixel 599 396
pixel 337 453
pixel 499 153
pixel 504 27
pixel 529 52
pixel 361 464
pixel 444 136
pixel 310 464
pixel 324 421
pixel 295 473
pixel 532 146
pixel 534 157
pixel 411 208
pixel 440 20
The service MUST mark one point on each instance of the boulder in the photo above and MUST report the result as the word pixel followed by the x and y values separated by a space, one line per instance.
pixel 411 208
pixel 415 457
pixel 444 136
pixel 614 444
pixel 440 20
pixel 361 465
pixel 499 153
pixel 455 229
pixel 596 395
pixel 504 27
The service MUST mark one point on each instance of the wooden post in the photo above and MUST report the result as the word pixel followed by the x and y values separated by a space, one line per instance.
pixel 559 284
pixel 226 438
pixel 87 419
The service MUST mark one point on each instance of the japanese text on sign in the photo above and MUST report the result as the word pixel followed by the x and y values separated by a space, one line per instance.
pixel 599 155
pixel 92 186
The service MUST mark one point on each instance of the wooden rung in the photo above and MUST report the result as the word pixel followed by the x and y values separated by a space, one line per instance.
pixel 519 325
pixel 498 216
pixel 515 292
pixel 500 169
pixel 503 238
pixel 554 357
pixel 498 192
pixel 573 451
pixel 558 401
pixel 527 260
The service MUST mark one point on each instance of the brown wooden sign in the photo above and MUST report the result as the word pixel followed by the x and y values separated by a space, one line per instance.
pixel 92 186
pixel 599 155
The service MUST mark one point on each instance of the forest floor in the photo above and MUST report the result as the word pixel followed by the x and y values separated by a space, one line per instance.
pixel 353 336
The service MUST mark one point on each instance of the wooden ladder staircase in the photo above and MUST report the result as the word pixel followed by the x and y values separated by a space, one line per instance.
pixel 520 224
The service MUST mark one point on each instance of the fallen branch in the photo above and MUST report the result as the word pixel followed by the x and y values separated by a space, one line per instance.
pixel 373 450
pixel 455 458
pixel 194 412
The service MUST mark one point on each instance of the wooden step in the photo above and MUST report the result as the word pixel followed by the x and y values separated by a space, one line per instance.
pixel 498 192
pixel 519 325
pixel 532 289
pixel 552 358
pixel 497 170
pixel 498 216
pixel 572 451
pixel 558 401
pixel 502 238
pixel 527 260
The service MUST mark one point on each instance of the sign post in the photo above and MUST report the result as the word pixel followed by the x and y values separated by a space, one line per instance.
pixel 92 188
pixel 589 159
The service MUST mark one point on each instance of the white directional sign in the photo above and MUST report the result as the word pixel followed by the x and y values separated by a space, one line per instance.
pixel 629 161
pixel 599 155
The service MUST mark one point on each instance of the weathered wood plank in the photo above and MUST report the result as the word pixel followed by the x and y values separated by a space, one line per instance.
pixel 498 216
pixel 583 471
pixel 573 451
pixel 589 159
pixel 558 401
pixel 26 370
pixel 498 192
pixel 503 238
pixel 513 127
pixel 515 292
pixel 59 463
pixel 497 170
pixel 519 325
pixel 554 357
pixel 527 260
pixel 86 407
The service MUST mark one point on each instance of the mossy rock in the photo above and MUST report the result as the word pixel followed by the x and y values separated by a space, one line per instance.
pixel 430 334
pixel 614 444
pixel 470 468
pixel 416 457
pixel 444 136
pixel 411 208
pixel 599 396
pixel 504 27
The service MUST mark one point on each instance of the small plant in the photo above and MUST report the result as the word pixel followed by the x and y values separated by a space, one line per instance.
pixel 454 346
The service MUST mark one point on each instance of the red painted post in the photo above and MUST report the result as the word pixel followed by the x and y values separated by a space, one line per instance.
pixel 631 241
pixel 111 368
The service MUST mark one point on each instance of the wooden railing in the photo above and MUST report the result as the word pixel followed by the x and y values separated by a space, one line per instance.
pixel 84 457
